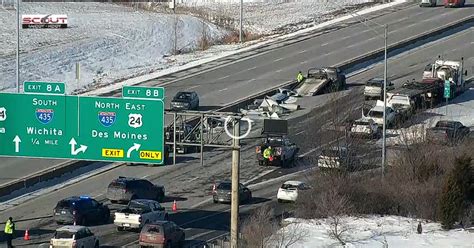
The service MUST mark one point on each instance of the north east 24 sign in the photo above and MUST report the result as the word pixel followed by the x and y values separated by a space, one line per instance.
pixel 84 128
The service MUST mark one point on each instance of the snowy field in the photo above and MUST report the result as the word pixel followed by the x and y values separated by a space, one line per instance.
pixel 460 109
pixel 109 41
pixel 113 43
pixel 275 16
pixel 376 232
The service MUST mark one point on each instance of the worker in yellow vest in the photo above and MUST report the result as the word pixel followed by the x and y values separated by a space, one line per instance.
pixel 299 77
pixel 9 230
pixel 267 154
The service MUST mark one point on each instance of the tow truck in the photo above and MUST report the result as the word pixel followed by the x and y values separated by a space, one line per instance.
pixel 324 80
pixel 285 151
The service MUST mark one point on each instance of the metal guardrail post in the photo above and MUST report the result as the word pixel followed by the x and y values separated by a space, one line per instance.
pixel 202 140
pixel 174 138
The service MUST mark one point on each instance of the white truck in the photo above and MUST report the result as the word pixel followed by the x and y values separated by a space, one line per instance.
pixel 138 213
pixel 428 3
pixel 376 114
pixel 453 71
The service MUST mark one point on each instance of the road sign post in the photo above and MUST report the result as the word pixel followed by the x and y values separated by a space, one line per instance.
pixel 447 93
pixel 84 128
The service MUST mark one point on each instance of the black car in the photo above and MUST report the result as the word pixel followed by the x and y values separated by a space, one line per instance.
pixel 124 189
pixel 185 100
pixel 81 210
pixel 223 193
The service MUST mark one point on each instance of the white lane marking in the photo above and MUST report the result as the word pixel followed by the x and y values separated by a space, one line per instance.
pixel 223 89
pixel 279 70
pixel 249 69
pixel 200 235
pixel 302 51
pixel 298 133
pixel 205 217
pixel 251 80
pixel 324 44
pixel 276 60
pixel 195 86
pixel 223 77
pixel 304 62
pixel 192 179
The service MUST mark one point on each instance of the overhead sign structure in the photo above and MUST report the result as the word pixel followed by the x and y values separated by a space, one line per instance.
pixel 84 128
pixel 447 89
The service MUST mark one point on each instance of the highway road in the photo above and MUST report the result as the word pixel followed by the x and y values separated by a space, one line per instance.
pixel 238 76
pixel 189 183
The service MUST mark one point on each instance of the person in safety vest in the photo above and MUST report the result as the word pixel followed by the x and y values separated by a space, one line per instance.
pixel 267 154
pixel 299 77
pixel 9 230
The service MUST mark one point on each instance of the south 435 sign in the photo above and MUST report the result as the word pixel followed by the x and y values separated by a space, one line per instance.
pixel 44 116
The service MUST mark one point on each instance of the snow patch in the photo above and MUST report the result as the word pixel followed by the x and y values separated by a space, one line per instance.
pixel 376 231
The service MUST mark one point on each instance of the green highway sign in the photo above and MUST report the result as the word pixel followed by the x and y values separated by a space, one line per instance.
pixel 84 128
pixel 44 88
pixel 447 89
pixel 157 93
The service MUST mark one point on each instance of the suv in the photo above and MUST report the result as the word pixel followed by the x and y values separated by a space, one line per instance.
pixel 223 193
pixel 162 234
pixel 74 236
pixel 81 210
pixel 184 100
pixel 124 189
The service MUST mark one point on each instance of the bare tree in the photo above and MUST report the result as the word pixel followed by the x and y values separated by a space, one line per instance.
pixel 177 23
pixel 205 41
pixel 257 230
pixel 335 206
pixel 289 235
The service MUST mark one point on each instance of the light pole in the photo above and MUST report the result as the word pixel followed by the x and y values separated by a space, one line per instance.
pixel 241 16
pixel 384 130
pixel 18 46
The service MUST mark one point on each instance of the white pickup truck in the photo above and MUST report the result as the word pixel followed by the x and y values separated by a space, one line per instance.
pixel 138 213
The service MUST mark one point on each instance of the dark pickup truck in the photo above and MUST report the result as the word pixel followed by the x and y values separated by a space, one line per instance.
pixel 285 151
pixel 447 132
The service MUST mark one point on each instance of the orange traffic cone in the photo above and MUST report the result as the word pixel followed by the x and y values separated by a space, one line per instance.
pixel 27 235
pixel 174 207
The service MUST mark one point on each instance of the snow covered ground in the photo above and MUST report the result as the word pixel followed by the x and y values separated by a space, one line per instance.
pixel 270 16
pixel 109 41
pixel 460 109
pixel 113 43
pixel 376 232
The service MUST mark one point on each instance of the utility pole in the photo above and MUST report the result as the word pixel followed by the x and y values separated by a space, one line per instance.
pixel 241 16
pixel 18 46
pixel 384 104
pixel 234 214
